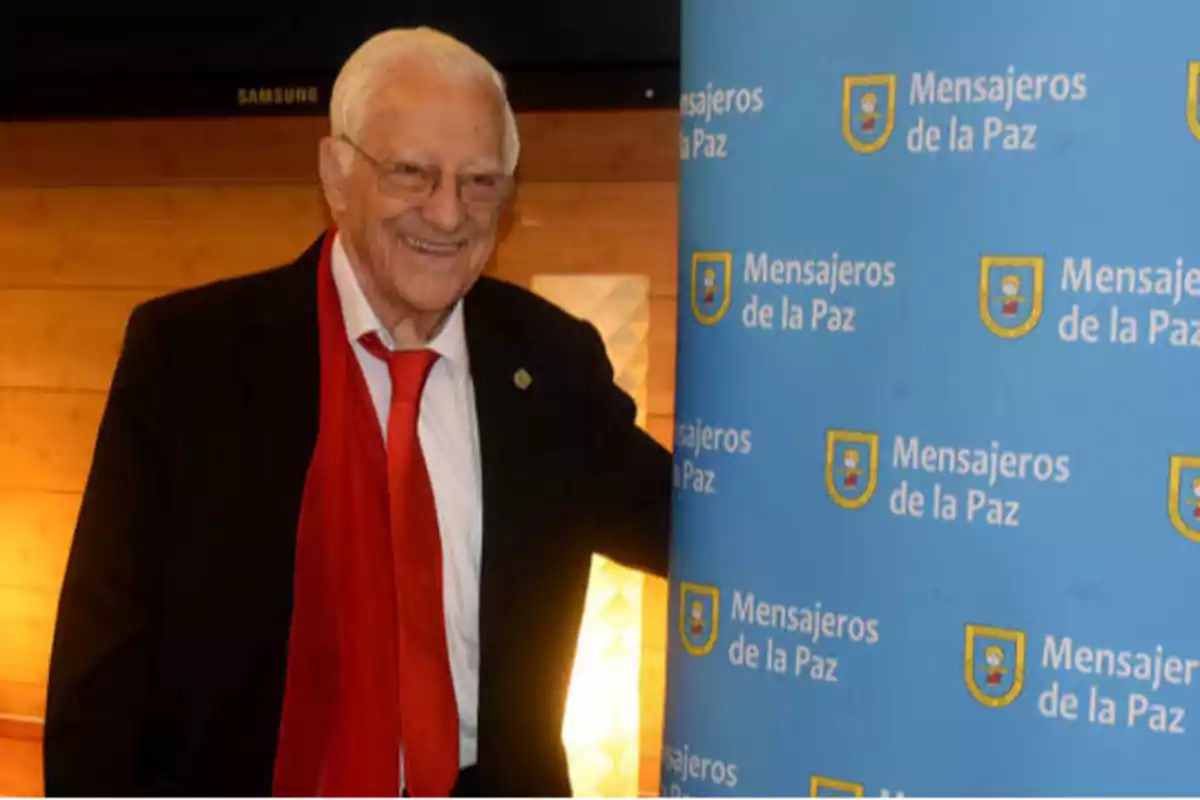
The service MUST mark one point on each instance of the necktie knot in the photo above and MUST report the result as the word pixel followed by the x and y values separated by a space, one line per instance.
pixel 408 368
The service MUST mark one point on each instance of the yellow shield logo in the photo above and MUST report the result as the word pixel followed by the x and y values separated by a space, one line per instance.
pixel 994 664
pixel 1010 294
pixel 712 286
pixel 868 111
pixel 699 612
pixel 820 786
pixel 1183 496
pixel 1193 98
pixel 851 466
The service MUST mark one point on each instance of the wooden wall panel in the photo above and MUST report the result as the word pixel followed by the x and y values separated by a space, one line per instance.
pixel 166 237
pixel 96 217
pixel 27 619
pixel 574 146
pixel 151 237
pixel 35 536
pixel 600 146
pixel 592 228
pixel 64 338
pixel 24 703
pixel 20 768
pixel 156 152
pixel 660 380
pixel 22 729
pixel 661 427
pixel 123 237
pixel 48 438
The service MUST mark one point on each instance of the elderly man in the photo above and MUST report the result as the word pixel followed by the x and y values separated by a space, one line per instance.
pixel 337 532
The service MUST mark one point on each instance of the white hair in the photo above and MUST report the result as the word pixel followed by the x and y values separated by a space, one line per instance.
pixel 381 52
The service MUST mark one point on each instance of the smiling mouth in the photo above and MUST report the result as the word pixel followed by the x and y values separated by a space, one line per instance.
pixel 433 247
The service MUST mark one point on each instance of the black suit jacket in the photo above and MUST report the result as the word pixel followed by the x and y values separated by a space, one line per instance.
pixel 170 649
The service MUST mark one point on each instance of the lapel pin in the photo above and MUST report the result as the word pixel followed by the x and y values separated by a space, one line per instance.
pixel 522 379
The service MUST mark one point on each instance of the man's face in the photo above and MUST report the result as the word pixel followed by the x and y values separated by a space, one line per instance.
pixel 421 254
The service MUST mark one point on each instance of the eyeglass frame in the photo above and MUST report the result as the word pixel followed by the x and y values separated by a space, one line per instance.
pixel 433 176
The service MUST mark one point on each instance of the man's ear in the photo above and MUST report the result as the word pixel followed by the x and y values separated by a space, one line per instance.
pixel 333 168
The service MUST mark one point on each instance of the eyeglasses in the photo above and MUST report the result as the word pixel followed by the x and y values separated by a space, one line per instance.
pixel 419 181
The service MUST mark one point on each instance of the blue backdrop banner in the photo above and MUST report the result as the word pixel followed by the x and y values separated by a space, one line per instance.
pixel 937 495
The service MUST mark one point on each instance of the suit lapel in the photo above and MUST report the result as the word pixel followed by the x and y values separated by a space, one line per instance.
pixel 279 372
pixel 506 401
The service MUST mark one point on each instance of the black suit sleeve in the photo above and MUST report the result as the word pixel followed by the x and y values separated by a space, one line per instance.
pixel 630 475
pixel 101 669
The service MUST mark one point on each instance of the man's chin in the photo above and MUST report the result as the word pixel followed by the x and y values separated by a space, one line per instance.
pixel 427 295
pixel 429 284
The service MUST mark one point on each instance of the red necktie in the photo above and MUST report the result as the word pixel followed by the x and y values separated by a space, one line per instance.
pixel 428 710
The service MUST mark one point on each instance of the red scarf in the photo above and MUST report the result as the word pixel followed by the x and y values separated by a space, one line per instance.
pixel 340 729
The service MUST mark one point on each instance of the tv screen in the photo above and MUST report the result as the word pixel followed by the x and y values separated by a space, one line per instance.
pixel 554 54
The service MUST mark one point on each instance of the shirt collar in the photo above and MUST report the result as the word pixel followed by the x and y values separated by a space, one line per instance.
pixel 450 342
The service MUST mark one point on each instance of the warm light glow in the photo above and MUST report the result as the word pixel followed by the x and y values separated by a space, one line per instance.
pixel 604 732
pixel 602 726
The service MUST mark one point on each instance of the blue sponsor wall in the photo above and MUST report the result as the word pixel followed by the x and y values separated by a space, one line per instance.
pixel 937 482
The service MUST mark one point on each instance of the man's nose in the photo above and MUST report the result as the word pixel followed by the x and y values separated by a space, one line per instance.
pixel 444 209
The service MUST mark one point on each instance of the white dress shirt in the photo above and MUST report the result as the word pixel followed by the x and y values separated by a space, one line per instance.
pixel 448 435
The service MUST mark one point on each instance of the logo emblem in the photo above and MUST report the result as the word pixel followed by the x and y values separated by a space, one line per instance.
pixel 868 111
pixel 994 664
pixel 851 466
pixel 1193 98
pixel 1010 294
pixel 820 786
pixel 1183 498
pixel 698 615
pixel 712 284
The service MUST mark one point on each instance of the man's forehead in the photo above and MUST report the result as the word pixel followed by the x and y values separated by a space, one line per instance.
pixel 426 108
pixel 405 89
